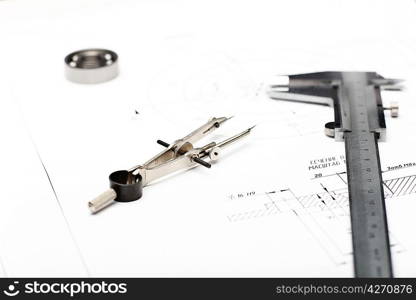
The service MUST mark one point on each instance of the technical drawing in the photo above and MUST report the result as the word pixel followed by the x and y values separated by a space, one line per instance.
pixel 324 214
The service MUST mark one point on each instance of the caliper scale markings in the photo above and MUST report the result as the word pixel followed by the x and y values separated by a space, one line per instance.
pixel 359 122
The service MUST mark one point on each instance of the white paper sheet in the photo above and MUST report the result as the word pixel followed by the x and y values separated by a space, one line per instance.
pixel 35 239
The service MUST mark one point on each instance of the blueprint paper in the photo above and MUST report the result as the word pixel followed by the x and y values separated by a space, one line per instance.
pixel 274 204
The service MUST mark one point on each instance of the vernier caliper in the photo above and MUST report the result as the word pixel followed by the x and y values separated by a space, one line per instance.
pixel 127 185
pixel 359 122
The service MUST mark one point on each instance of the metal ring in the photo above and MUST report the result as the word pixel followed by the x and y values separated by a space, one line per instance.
pixel 91 66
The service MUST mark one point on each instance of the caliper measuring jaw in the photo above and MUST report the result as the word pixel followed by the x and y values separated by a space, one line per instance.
pixel 359 122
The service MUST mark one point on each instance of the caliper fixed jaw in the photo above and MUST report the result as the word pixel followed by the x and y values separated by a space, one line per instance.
pixel 326 88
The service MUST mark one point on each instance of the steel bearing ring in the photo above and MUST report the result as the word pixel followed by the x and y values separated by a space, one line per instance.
pixel 91 66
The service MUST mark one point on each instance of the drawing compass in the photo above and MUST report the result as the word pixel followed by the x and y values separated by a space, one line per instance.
pixel 359 122
pixel 127 185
